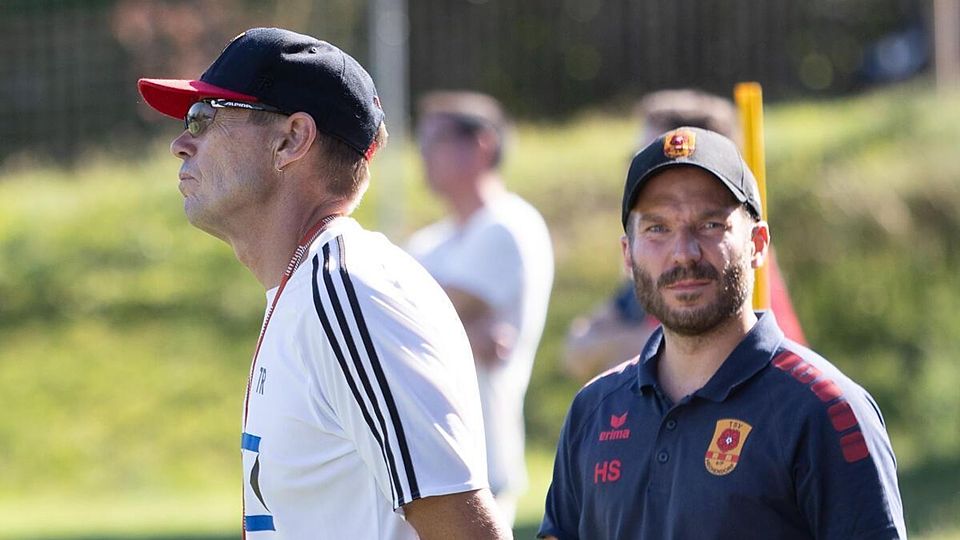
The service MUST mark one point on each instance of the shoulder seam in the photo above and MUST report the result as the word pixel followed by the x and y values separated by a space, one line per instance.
pixel 347 353
pixel 605 393
pixel 379 374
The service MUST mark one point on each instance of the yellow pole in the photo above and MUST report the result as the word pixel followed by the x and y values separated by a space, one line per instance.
pixel 749 99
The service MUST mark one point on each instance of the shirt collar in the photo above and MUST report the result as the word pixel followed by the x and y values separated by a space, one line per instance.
pixel 750 356
pixel 647 367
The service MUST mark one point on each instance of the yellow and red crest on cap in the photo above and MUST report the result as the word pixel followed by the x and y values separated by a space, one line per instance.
pixel 725 446
pixel 679 143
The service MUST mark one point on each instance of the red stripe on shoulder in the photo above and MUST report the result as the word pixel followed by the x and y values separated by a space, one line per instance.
pixel 805 373
pixel 841 416
pixel 826 390
pixel 854 447
pixel 786 361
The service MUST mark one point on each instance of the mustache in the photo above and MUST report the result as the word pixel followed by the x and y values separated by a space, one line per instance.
pixel 699 271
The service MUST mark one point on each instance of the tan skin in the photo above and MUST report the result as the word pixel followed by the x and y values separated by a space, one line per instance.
pixel 461 172
pixel 234 189
pixel 255 187
pixel 466 516
pixel 603 339
pixel 685 214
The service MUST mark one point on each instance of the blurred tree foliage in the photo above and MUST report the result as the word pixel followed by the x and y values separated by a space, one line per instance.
pixel 866 206
pixel 543 58
pixel 126 334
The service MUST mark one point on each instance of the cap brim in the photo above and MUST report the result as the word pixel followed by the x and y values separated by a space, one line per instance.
pixel 173 97
pixel 631 200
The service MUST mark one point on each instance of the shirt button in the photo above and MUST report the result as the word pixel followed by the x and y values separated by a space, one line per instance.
pixel 663 457
pixel 671 424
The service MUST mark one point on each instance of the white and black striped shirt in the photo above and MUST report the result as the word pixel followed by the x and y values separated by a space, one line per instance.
pixel 363 398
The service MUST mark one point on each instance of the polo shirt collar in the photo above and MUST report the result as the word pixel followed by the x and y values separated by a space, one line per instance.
pixel 750 356
pixel 647 368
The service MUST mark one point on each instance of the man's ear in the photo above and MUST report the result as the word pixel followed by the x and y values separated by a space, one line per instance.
pixel 489 143
pixel 760 242
pixel 295 139
pixel 627 256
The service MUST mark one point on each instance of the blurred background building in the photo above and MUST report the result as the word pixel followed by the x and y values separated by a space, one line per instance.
pixel 69 66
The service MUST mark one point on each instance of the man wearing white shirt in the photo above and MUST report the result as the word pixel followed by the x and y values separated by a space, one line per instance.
pixel 362 416
pixel 494 259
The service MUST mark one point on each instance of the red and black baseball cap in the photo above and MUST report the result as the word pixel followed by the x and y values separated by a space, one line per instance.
pixel 693 147
pixel 288 71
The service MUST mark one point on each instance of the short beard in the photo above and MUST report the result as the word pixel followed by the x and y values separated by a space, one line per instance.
pixel 736 282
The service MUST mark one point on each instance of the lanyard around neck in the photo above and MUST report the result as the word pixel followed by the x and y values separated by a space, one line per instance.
pixel 295 260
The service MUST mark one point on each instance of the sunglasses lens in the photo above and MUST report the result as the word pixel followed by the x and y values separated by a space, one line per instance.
pixel 194 127
pixel 199 117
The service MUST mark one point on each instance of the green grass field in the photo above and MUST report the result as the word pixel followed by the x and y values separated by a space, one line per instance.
pixel 126 334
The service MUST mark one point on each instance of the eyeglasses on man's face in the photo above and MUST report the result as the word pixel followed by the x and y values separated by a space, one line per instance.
pixel 201 114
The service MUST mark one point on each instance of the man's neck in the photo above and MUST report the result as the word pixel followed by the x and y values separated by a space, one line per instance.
pixel 266 246
pixel 474 195
pixel 688 362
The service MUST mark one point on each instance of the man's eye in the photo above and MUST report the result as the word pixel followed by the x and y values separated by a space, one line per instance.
pixel 656 228
pixel 197 124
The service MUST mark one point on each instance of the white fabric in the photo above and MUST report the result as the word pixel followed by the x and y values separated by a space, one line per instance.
pixel 502 255
pixel 335 455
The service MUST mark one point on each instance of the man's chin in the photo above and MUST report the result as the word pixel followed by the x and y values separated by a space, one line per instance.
pixel 198 221
pixel 687 304
pixel 692 320
pixel 699 321
pixel 194 217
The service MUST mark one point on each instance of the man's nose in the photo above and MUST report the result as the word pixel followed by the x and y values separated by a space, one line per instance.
pixel 686 247
pixel 183 147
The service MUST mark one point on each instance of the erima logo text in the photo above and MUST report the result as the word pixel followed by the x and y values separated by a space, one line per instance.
pixel 616 433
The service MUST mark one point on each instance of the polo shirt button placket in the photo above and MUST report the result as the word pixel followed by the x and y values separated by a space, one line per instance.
pixel 663 456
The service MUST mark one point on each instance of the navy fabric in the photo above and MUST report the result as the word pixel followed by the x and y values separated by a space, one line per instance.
pixel 711 152
pixel 295 72
pixel 805 453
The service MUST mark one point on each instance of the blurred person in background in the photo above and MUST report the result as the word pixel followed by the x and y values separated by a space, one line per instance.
pixel 617 329
pixel 493 257
pixel 722 427
pixel 362 417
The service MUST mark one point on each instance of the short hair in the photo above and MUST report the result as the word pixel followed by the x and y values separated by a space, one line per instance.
pixel 263 118
pixel 669 109
pixel 470 112
pixel 346 171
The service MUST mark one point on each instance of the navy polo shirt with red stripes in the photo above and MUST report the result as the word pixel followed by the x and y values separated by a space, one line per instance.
pixel 778 444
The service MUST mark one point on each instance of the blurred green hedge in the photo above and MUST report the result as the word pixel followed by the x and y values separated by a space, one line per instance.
pixel 125 335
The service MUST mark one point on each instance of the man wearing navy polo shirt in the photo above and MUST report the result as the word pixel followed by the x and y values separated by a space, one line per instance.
pixel 721 427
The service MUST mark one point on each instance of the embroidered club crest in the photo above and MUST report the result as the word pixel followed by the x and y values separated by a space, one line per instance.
pixel 723 453
pixel 679 143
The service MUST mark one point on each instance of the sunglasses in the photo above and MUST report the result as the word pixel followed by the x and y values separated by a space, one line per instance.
pixel 201 114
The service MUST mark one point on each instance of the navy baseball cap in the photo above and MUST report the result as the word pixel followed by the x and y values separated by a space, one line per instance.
pixel 286 70
pixel 690 146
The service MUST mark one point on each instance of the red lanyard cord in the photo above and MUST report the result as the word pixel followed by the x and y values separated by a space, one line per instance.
pixel 292 266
